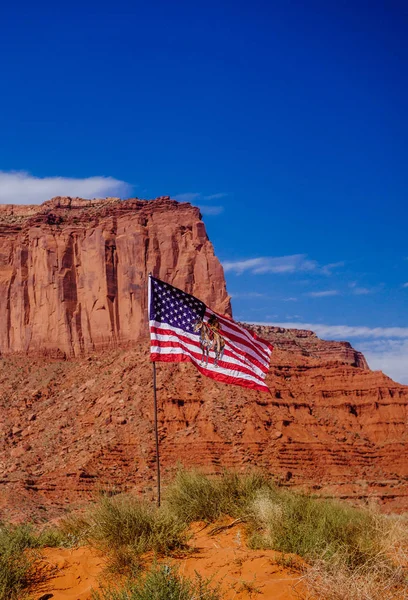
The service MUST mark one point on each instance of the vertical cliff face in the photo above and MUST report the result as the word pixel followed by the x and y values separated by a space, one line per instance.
pixel 73 272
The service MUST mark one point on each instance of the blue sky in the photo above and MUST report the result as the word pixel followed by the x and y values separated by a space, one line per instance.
pixel 285 121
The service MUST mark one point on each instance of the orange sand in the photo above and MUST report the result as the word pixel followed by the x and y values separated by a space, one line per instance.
pixel 223 556
pixel 78 571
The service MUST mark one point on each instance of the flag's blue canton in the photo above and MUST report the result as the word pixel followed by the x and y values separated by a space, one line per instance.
pixel 174 307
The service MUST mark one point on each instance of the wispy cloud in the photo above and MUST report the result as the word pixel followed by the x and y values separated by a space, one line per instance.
pixel 347 331
pixel 187 197
pixel 22 188
pixel 198 197
pixel 389 356
pixel 210 210
pixel 323 293
pixel 277 264
pixel 217 196
pixel 247 295
pixel 327 269
pixel 405 285
pixel 385 348
pixel 361 291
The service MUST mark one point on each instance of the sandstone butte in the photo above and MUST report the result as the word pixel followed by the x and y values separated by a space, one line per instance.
pixel 76 409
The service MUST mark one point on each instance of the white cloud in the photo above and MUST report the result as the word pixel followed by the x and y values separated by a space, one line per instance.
pixel 327 269
pixel 22 188
pixel 210 210
pixel 187 197
pixel 279 264
pixel 323 294
pixel 389 356
pixel 385 348
pixel 216 196
pixel 191 196
pixel 361 291
pixel 195 197
pixel 247 295
pixel 347 331
pixel 272 264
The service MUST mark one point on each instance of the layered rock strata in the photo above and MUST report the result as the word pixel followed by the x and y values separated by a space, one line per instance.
pixel 73 272
pixel 69 429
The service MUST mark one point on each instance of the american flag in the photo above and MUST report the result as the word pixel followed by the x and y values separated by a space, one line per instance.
pixel 184 329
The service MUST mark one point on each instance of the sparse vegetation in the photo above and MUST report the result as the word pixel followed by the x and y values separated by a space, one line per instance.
pixel 350 553
pixel 125 527
pixel 19 561
pixel 194 496
pixel 378 579
pixel 162 583
pixel 346 548
pixel 313 528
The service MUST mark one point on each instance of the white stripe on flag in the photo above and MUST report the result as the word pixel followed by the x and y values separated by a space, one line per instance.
pixel 210 367
pixel 174 335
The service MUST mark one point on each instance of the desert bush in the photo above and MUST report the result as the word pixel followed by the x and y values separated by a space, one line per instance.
pixel 75 529
pixel 126 527
pixel 193 496
pixel 313 528
pixel 162 583
pixel 378 579
pixel 18 561
pixel 278 518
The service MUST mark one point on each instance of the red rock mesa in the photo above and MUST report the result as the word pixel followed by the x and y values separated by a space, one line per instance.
pixel 73 285
pixel 73 272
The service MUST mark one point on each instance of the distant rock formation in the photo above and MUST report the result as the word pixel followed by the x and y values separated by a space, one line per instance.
pixel 73 272
pixel 306 343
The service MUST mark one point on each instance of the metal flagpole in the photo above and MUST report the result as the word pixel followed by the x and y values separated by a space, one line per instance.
pixel 157 434
pixel 156 431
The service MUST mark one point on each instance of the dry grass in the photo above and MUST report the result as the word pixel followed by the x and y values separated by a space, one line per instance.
pixel 383 577
pixel 20 565
pixel 125 527
pixel 311 527
pixel 162 582
pixel 193 496
pixel 368 582
pixel 354 554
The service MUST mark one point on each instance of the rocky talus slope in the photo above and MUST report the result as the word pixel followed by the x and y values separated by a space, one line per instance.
pixel 70 428
pixel 73 272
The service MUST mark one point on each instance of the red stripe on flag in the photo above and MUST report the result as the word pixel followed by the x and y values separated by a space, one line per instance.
pixel 246 350
pixel 156 357
pixel 246 357
pixel 244 338
pixel 250 335
pixel 167 330
pixel 198 356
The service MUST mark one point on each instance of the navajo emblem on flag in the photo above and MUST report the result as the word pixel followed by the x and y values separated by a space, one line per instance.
pixel 184 329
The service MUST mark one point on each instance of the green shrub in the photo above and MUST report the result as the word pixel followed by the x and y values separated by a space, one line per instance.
pixel 126 527
pixel 194 496
pixel 313 528
pixel 278 518
pixel 162 583
pixel 17 561
pixel 20 566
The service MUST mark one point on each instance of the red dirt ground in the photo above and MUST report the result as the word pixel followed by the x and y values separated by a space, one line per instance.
pixel 225 557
